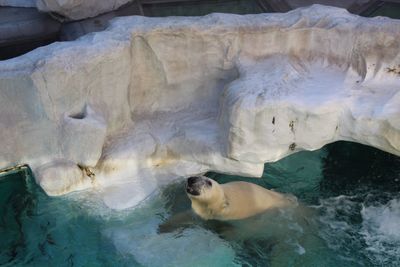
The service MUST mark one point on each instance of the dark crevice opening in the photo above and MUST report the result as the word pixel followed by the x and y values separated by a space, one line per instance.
pixel 17 49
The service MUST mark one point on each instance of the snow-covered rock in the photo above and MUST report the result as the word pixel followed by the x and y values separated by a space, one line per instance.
pixel 286 104
pixel 60 177
pixel 173 97
pixel 79 9
pixel 82 137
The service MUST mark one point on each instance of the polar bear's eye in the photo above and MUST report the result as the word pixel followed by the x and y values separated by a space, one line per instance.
pixel 209 183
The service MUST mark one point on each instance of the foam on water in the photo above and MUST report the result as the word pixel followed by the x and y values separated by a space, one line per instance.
pixel 381 231
pixel 339 227
pixel 191 247
pixel 137 235
pixel 363 229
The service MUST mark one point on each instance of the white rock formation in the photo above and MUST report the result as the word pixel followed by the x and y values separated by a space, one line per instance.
pixel 174 97
pixel 79 9
pixel 82 137
pixel 304 105
pixel 18 3
pixel 57 177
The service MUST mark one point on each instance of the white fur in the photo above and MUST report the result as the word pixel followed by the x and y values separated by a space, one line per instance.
pixel 236 200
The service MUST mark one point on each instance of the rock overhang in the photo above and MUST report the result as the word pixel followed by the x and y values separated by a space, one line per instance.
pixel 171 97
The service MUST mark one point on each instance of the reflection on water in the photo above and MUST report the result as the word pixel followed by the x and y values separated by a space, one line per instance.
pixel 349 216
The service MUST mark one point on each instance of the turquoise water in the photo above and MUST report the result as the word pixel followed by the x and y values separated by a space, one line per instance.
pixel 349 216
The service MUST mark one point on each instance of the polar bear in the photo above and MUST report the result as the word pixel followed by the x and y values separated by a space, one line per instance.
pixel 232 201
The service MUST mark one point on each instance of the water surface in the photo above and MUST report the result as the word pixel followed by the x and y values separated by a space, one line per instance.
pixel 350 215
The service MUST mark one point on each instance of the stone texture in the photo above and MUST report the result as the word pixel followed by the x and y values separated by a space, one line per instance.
pixel 18 3
pixel 79 9
pixel 288 105
pixel 338 3
pixel 72 30
pixel 60 176
pixel 83 135
pixel 183 96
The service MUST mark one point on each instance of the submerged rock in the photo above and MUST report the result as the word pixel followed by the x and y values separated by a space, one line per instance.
pixel 182 96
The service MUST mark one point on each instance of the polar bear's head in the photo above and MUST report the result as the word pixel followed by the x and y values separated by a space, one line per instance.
pixel 201 187
pixel 207 196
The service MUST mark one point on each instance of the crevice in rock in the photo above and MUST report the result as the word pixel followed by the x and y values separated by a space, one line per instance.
pixel 25 29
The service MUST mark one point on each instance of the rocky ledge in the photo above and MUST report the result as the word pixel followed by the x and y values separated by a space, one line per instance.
pixel 150 100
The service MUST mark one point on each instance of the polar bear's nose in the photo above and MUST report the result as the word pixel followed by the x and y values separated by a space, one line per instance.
pixel 192 180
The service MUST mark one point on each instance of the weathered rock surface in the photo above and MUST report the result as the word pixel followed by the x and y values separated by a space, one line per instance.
pixel 181 96
pixel 18 3
pixel 79 9
pixel 82 137
pixel 60 177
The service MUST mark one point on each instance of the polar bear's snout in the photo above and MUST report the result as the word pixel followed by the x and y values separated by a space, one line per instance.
pixel 195 184
pixel 192 180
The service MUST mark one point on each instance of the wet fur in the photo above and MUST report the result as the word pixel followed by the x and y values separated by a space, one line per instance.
pixel 236 200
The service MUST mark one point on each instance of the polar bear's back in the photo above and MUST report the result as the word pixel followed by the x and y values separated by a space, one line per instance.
pixel 248 199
